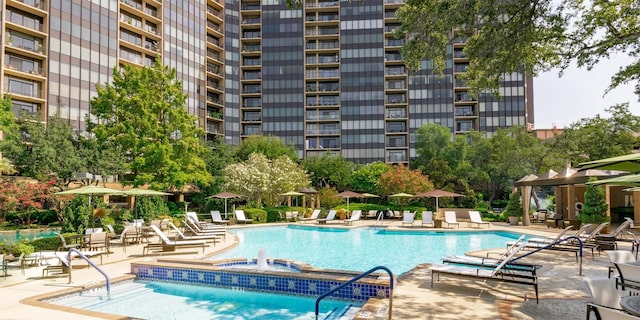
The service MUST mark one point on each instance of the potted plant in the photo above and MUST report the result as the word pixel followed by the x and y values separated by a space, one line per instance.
pixel 595 206
pixel 513 211
pixel 342 214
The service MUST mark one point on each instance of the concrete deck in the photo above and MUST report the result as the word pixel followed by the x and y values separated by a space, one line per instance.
pixel 562 292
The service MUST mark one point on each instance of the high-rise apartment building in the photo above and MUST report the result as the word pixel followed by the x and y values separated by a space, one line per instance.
pixel 326 77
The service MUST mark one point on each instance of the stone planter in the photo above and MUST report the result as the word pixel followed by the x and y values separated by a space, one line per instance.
pixel 514 221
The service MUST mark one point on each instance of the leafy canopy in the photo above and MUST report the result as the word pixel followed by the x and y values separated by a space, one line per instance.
pixel 528 36
pixel 143 115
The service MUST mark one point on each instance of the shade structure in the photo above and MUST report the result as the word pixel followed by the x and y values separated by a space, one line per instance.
pixel 90 191
pixel 349 194
pixel 225 195
pixel 628 162
pixel 438 194
pixel 631 180
pixel 139 192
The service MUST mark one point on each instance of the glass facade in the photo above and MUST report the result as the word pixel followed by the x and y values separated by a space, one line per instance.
pixel 326 77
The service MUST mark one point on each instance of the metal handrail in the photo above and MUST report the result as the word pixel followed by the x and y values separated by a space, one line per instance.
pixel 364 274
pixel 379 219
pixel 560 241
pixel 92 264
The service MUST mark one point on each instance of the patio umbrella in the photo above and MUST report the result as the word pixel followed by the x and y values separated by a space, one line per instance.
pixel 370 195
pixel 347 195
pixel 438 194
pixel 90 191
pixel 139 192
pixel 225 195
pixel 628 162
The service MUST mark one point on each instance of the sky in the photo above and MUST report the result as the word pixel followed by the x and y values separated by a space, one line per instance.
pixel 579 93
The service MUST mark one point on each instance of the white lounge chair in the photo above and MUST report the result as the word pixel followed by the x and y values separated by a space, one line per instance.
pixel 409 218
pixel 603 294
pixel 450 219
pixel 206 237
pixel 629 277
pixel 194 229
pixel 477 220
pixel 313 217
pixel 427 218
pixel 612 314
pixel 499 273
pixel 355 216
pixel 167 244
pixel 240 217
pixel 330 217
pixel 618 256
pixel 217 218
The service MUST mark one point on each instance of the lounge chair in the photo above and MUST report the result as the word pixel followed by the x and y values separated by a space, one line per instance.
pixel 167 244
pixel 616 234
pixel 194 229
pixel 629 277
pixel 313 217
pixel 372 214
pixel 408 218
pixel 206 237
pixel 603 294
pixel 217 218
pixel 559 236
pixel 493 262
pixel 427 218
pixel 240 217
pixel 193 217
pixel 355 216
pixel 291 216
pixel 612 314
pixel 450 219
pixel 477 220
pixel 331 216
pixel 618 256
pixel 499 273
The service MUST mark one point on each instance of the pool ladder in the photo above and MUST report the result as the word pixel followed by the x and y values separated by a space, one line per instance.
pixel 379 219
pixel 356 278
pixel 81 255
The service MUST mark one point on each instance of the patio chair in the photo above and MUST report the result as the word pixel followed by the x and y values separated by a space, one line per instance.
pixel 605 313
pixel 427 218
pixel 216 217
pixel 240 217
pixel 167 244
pixel 331 216
pixel 408 218
pixel 372 214
pixel 618 256
pixel 603 294
pixel 17 263
pixel 355 216
pixel 207 237
pixel 128 235
pixel 313 217
pixel 629 277
pixel 98 241
pixel 499 273
pixel 477 220
pixel 3 265
pixel 450 219
pixel 64 246
pixel 290 216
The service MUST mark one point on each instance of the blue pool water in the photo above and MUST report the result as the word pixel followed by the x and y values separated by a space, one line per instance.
pixel 360 249
pixel 160 301
pixel 16 236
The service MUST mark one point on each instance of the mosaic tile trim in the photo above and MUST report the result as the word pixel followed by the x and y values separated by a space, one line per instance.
pixel 265 282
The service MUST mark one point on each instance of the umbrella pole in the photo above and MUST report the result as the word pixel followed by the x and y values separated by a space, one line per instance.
pixel 225 208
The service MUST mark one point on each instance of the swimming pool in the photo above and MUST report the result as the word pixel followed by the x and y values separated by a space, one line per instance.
pixel 16 236
pixel 158 300
pixel 360 249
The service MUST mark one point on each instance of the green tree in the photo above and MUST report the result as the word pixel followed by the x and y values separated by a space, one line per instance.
pixel 329 169
pixel 49 153
pixel 101 157
pixel 524 36
pixel 366 177
pixel 263 180
pixel 595 205
pixel 143 114
pixel 514 206
pixel 271 146
pixel 7 117
pixel 600 137
pixel 441 155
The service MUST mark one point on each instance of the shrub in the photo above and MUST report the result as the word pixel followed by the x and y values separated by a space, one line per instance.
pixel 258 215
pixel 50 243
pixel 19 247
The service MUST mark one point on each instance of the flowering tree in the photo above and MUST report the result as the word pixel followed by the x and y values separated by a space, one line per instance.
pixel 401 179
pixel 263 180
pixel 24 198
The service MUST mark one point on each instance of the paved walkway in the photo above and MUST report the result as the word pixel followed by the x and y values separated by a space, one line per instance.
pixel 562 293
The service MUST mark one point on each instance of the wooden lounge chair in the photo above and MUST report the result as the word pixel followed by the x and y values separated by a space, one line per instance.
pixel 330 217
pixel 167 244
pixel 477 220
pixel 450 219
pixel 240 217
pixel 355 216
pixel 409 218
pixel 499 273
pixel 313 217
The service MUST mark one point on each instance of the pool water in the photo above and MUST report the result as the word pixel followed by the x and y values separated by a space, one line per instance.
pixel 361 249
pixel 16 236
pixel 160 301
